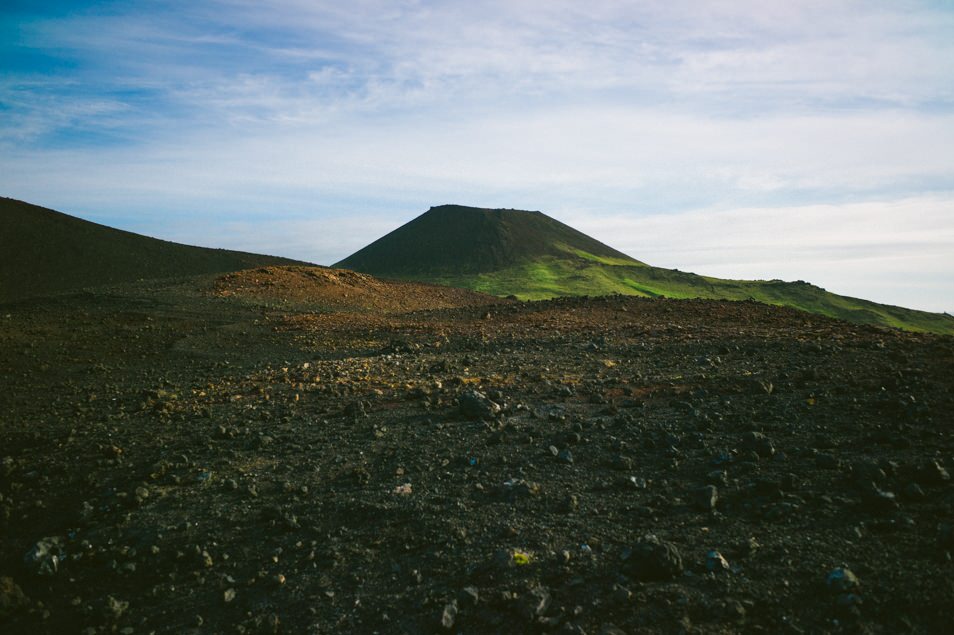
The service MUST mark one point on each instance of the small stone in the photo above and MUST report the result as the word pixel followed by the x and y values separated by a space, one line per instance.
pixel 468 596
pixel 565 456
pixel 705 498
pixel 228 595
pixel 571 503
pixel 623 463
pixel 716 562
pixel 12 598
pixel 538 602
pixel 848 605
pixel 475 405
pixel 933 473
pixel 749 547
pixel 518 488
pixel 114 608
pixel 45 557
pixel 868 470
pixel 914 492
pixel 449 615
pixel 759 443
pixel 621 594
pixel 636 482
pixel 878 500
pixel 652 559
pixel 841 580
pixel 760 387
pixel 733 611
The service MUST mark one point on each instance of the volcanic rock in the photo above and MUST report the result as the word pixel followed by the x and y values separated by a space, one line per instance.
pixel 475 405
pixel 12 598
pixel 653 559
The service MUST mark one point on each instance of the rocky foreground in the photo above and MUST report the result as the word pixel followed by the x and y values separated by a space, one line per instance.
pixel 193 457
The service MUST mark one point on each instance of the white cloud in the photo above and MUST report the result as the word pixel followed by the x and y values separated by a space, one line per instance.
pixel 892 251
pixel 284 114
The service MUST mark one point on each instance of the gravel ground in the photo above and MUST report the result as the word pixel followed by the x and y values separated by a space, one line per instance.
pixel 253 454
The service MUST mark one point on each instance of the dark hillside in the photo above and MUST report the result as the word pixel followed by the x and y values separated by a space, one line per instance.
pixel 43 252
pixel 458 239
pixel 534 257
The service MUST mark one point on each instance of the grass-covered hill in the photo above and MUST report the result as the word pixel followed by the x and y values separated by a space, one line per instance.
pixel 532 256
pixel 44 252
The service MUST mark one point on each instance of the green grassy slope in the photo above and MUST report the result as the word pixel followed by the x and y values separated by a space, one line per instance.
pixel 553 277
pixel 43 252
pixel 533 257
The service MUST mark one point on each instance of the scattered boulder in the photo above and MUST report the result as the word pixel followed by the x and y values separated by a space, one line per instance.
pixel 716 562
pixel 843 585
pixel 45 556
pixel 537 602
pixel 932 473
pixel 757 386
pixel 474 404
pixel 113 608
pixel 517 488
pixel 841 580
pixel 877 500
pixel 468 596
pixel 758 443
pixel 449 615
pixel 705 498
pixel 12 598
pixel 914 492
pixel 652 559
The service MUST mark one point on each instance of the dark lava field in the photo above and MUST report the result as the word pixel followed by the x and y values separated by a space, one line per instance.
pixel 280 451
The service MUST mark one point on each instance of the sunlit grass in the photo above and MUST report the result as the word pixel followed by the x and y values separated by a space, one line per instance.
pixel 585 274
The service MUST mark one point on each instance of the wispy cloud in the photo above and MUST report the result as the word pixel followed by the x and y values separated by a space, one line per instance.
pixel 898 251
pixel 172 118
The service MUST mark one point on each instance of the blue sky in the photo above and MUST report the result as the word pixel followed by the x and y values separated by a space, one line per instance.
pixel 796 140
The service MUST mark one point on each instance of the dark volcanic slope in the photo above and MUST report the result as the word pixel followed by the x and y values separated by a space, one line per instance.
pixel 458 239
pixel 43 251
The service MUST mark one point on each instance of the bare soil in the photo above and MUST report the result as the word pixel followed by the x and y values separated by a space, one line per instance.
pixel 260 453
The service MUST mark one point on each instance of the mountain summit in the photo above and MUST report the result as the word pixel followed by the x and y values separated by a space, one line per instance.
pixel 454 239
pixel 532 256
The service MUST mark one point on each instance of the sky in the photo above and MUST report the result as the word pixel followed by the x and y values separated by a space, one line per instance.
pixel 797 140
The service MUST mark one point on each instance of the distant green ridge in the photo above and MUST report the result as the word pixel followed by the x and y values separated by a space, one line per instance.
pixel 44 252
pixel 533 257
